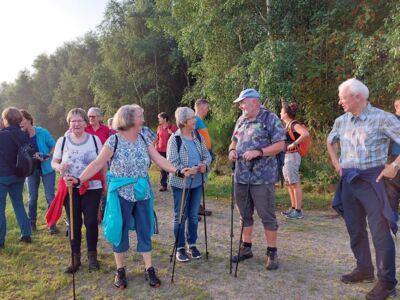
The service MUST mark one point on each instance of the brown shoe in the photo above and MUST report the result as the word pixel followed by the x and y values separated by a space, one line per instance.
pixel 380 292
pixel 244 253
pixel 72 268
pixel 357 276
pixel 163 189
pixel 203 212
pixel 93 262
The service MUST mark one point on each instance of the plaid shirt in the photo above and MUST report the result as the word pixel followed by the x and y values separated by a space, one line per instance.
pixel 364 140
pixel 181 160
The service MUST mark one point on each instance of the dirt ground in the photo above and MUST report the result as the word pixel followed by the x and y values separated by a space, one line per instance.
pixel 313 253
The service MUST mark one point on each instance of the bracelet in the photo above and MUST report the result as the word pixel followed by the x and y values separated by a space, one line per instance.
pixel 78 183
pixel 295 143
pixel 179 173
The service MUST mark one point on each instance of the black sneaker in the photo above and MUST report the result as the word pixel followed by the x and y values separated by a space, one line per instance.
pixel 151 277
pixel 120 279
pixel 25 239
pixel 271 262
pixel 194 252
pixel 204 212
pixel 380 292
pixel 357 276
pixel 244 253
pixel 181 255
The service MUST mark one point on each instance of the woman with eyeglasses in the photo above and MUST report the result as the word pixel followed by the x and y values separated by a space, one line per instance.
pixel 73 153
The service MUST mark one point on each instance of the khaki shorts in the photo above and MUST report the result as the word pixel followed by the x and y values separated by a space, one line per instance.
pixel 291 167
pixel 262 198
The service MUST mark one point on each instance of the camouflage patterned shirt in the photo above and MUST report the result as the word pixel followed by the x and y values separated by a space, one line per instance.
pixel 265 130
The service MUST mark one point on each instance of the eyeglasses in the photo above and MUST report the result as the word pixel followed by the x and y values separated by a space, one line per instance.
pixel 77 121
pixel 92 117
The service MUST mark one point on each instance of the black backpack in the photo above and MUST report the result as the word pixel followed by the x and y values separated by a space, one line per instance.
pixel 26 162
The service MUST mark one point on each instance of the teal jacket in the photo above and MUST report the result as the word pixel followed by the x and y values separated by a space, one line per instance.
pixel 112 220
pixel 45 143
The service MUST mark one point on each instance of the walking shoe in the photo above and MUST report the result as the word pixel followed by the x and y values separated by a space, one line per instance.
pixel 72 268
pixel 181 255
pixel 295 215
pixel 25 239
pixel 120 278
pixel 357 276
pixel 204 212
pixel 2 246
pixel 271 260
pixel 163 189
pixel 194 252
pixel 244 253
pixel 93 262
pixel 53 229
pixel 379 292
pixel 151 277
pixel 288 211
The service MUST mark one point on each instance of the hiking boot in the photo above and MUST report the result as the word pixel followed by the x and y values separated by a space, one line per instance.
pixel 271 262
pixel 286 212
pixel 33 226
pixel 357 276
pixel 194 252
pixel 380 292
pixel 93 262
pixel 151 277
pixel 204 212
pixel 53 229
pixel 2 246
pixel 25 239
pixel 120 278
pixel 295 215
pixel 72 268
pixel 244 253
pixel 163 189
pixel 181 255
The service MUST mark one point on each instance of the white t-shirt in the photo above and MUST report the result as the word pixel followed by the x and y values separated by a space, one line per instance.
pixel 78 156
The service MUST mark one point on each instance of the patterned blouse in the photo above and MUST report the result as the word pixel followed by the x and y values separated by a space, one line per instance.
pixel 131 159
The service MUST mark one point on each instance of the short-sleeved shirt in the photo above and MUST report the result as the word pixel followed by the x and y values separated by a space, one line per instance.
pixel 78 156
pixel 163 136
pixel 264 131
pixel 364 140
pixel 202 129
pixel 131 159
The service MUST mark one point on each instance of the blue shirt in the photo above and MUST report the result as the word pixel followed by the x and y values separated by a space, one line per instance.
pixel 364 140
pixel 264 131
pixel 194 160
pixel 45 142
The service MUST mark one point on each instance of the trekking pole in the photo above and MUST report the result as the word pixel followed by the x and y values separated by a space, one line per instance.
pixel 205 218
pixel 174 250
pixel 232 208
pixel 71 237
pixel 242 226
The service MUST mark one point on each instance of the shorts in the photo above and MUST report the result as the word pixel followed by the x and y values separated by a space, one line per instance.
pixel 262 198
pixel 291 167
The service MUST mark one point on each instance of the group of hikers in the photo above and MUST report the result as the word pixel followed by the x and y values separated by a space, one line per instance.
pixel 98 163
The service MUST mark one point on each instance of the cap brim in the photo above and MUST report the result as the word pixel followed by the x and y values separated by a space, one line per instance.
pixel 238 100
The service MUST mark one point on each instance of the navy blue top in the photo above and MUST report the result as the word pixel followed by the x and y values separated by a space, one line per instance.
pixel 8 149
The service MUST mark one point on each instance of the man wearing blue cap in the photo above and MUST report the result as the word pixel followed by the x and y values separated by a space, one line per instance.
pixel 258 136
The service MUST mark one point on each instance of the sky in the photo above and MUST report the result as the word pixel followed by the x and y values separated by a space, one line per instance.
pixel 32 27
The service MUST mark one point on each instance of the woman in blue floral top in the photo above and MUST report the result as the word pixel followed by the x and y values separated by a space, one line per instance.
pixel 130 198
pixel 193 154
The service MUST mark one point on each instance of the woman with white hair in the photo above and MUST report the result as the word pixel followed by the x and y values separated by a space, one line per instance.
pixel 130 197
pixel 187 149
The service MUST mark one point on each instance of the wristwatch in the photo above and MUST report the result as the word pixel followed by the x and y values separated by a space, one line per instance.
pixel 395 165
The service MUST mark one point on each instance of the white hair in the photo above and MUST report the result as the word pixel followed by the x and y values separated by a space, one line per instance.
pixel 356 87
pixel 182 114
pixel 96 110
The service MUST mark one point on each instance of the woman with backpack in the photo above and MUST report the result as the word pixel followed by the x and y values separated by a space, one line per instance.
pixel 9 181
pixel 187 149
pixel 73 153
pixel 130 197
pixel 43 143
pixel 295 135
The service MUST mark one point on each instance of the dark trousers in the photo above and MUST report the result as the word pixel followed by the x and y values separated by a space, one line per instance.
pixel 393 191
pixel 360 202
pixel 88 206
pixel 163 174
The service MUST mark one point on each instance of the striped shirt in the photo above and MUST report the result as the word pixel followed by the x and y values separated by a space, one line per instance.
pixel 364 140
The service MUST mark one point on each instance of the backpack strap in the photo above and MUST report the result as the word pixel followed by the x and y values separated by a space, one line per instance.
pixel 290 127
pixel 63 145
pixel 115 147
pixel 178 140
pixel 95 144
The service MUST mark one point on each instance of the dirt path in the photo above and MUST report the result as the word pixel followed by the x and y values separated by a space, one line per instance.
pixel 313 254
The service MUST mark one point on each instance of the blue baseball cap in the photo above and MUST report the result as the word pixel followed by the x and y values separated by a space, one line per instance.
pixel 247 93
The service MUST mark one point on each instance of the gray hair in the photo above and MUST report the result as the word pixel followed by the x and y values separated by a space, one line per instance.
pixel 96 110
pixel 124 118
pixel 77 111
pixel 200 102
pixel 356 87
pixel 182 114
